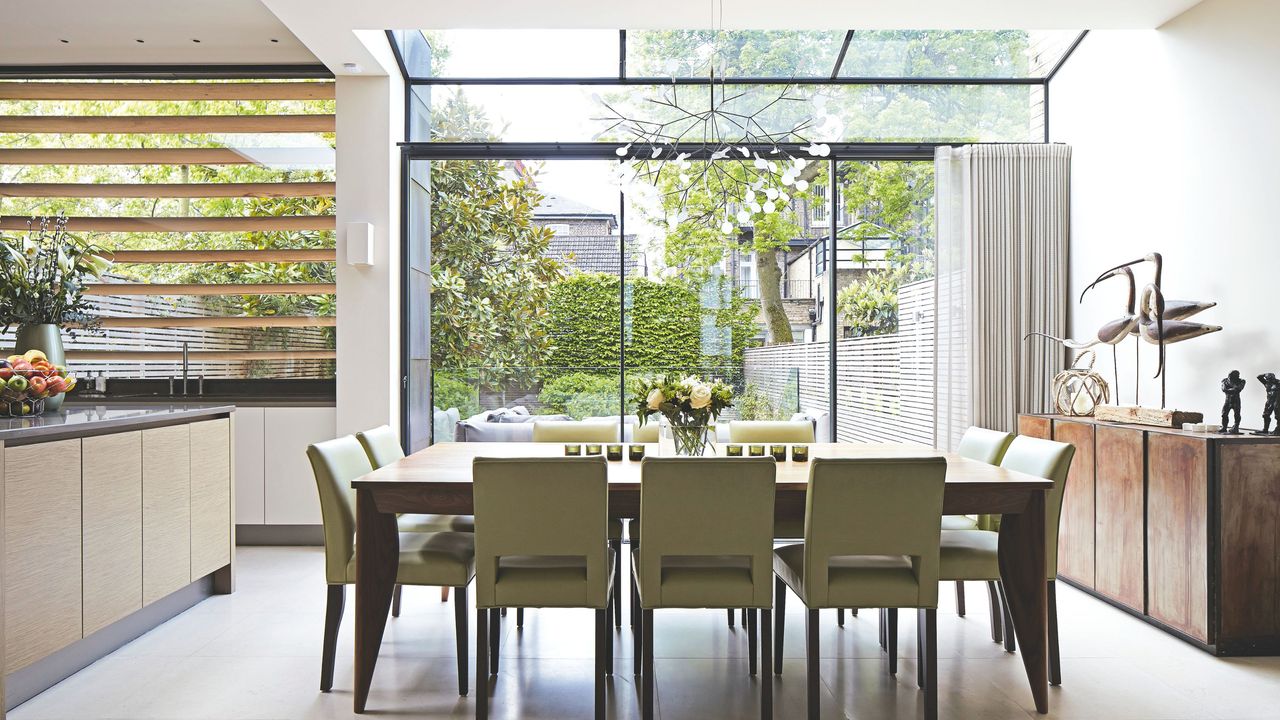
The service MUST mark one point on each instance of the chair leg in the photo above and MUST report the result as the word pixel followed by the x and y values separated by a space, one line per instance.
pixel 960 598
pixel 519 618
pixel 482 663
pixel 920 649
pixel 495 635
pixel 929 659
pixel 395 601
pixel 637 634
pixel 460 630
pixel 332 621
pixel 766 657
pixel 602 628
pixel 730 612
pixel 997 621
pixel 891 638
pixel 646 672
pixel 813 680
pixel 1055 659
pixel 617 580
pixel 779 602
pixel 840 617
pixel 853 612
pixel 608 641
pixel 1010 641
pixel 444 594
pixel 751 642
pixel 884 637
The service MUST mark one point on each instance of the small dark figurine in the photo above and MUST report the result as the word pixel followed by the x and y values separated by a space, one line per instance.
pixel 1272 385
pixel 1232 384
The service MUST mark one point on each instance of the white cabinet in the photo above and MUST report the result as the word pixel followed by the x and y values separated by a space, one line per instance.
pixel 290 496
pixel 251 488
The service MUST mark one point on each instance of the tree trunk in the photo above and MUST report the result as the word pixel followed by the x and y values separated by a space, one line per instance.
pixel 775 313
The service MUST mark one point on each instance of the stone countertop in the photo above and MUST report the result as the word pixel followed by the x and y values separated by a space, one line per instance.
pixel 82 420
pixel 152 400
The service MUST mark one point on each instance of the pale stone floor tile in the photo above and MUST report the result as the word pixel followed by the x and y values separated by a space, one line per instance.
pixel 255 655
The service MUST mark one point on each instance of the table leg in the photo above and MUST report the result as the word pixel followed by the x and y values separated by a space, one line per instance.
pixel 377 559
pixel 1022 569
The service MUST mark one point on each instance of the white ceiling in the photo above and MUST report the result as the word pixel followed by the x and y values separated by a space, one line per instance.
pixel 241 31
pixel 106 32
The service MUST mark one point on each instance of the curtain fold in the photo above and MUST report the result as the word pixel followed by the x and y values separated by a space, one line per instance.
pixel 1002 238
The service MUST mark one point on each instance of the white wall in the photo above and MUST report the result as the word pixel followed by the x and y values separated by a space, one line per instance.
pixel 370 121
pixel 1176 144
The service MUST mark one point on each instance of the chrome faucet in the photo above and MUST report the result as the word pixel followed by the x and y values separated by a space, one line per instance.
pixel 186 361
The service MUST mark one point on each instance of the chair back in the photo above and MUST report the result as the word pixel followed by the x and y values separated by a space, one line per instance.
pixel 647 433
pixel 871 507
pixel 335 464
pixel 574 431
pixel 703 507
pixel 984 445
pixel 541 507
pixel 771 431
pixel 381 445
pixel 1052 461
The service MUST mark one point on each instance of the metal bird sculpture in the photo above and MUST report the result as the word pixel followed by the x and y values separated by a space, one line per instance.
pixel 1160 321
pixel 1112 332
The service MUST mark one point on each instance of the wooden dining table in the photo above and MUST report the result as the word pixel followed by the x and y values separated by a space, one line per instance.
pixel 438 480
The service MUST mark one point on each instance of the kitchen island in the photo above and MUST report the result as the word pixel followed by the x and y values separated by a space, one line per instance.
pixel 113 519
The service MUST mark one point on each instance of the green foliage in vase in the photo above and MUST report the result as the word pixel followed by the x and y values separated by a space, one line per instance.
pixel 689 401
pixel 43 274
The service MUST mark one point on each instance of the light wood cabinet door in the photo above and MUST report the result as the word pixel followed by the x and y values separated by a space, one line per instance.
pixel 42 585
pixel 1178 533
pixel 112 528
pixel 291 497
pixel 1076 537
pixel 166 511
pixel 1120 531
pixel 250 468
pixel 210 496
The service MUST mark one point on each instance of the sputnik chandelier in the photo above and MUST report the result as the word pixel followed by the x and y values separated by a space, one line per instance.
pixel 742 171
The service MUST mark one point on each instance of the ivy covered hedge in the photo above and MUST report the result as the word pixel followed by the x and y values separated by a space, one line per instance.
pixel 670 324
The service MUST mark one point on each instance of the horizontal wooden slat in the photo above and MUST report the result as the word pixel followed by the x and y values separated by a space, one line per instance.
pixel 197 355
pixel 167 190
pixel 220 256
pixel 166 91
pixel 260 223
pixel 275 321
pixel 211 289
pixel 156 156
pixel 142 124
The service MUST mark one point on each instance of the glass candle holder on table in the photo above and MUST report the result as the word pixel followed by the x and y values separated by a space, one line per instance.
pixel 572 449
pixel 635 451
pixel 613 451
pixel 733 450
pixel 593 449
pixel 755 450
pixel 779 452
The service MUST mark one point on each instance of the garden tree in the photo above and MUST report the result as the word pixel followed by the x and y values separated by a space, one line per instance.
pixel 490 274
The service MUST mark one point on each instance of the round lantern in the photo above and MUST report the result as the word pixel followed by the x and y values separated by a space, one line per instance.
pixel 1078 391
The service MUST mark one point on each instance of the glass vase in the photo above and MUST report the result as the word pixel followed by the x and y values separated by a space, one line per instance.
pixel 689 440
pixel 46 338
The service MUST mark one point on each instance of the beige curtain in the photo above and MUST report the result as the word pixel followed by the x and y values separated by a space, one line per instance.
pixel 1003 221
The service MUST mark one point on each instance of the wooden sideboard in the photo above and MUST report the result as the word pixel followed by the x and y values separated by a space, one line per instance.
pixel 1180 528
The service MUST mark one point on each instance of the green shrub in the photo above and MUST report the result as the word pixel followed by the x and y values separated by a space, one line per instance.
pixel 450 391
pixel 753 404
pixel 581 395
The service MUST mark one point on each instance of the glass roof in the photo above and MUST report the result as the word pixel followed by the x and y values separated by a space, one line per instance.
pixel 610 55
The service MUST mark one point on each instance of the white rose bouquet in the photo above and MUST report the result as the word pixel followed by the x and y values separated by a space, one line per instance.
pixel 690 405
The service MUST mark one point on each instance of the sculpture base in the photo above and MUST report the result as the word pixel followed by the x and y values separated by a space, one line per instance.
pixel 1158 417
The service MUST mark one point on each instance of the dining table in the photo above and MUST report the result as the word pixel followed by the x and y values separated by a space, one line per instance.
pixel 438 479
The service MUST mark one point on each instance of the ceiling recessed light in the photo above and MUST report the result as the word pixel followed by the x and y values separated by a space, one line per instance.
pixel 64 41
pixel 352 67
pixel 139 40
pixel 195 40
pixel 274 40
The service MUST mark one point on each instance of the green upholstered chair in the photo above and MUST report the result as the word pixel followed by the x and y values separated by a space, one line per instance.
pixel 708 529
pixel 575 431
pixel 973 554
pixel 870 540
pixel 436 558
pixel 986 446
pixel 541 541
pixel 771 431
pixel 383 448
pixel 646 433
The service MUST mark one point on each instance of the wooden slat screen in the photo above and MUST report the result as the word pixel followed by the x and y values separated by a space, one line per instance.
pixel 214 199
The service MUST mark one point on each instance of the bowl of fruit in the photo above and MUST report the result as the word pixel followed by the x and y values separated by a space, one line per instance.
pixel 27 380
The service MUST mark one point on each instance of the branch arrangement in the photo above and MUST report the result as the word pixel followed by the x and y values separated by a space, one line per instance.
pixel 43 275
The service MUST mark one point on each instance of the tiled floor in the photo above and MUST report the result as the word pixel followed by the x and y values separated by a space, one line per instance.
pixel 255 655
